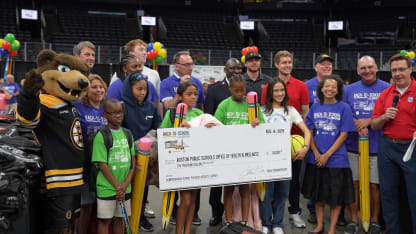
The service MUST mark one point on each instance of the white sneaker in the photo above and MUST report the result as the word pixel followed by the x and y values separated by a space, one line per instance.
pixel 297 221
pixel 148 212
pixel 278 230
pixel 265 230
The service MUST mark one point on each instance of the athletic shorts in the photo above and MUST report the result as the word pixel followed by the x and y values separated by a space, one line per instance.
pixel 60 211
pixel 354 160
pixel 107 209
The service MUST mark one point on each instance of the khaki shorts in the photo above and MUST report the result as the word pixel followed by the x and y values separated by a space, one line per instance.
pixel 107 209
pixel 353 158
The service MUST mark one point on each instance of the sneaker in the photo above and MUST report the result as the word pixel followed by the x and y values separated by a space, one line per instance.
pixel 172 220
pixel 145 225
pixel 196 220
pixel 296 220
pixel 375 228
pixel 312 218
pixel 265 230
pixel 148 212
pixel 351 228
pixel 341 221
pixel 278 230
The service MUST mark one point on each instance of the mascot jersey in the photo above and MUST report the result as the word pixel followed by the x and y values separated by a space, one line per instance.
pixel 56 124
pixel 54 120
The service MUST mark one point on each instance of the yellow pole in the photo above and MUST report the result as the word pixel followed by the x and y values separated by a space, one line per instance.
pixel 252 115
pixel 364 173
pixel 139 183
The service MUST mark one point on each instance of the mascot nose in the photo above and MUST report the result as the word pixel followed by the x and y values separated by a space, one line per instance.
pixel 82 83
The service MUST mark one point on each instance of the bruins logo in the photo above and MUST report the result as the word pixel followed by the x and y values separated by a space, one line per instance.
pixel 76 134
pixel 68 214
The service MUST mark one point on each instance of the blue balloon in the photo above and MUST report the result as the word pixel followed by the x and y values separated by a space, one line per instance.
pixel 150 46
pixel 163 46
pixel 413 62
pixel 3 51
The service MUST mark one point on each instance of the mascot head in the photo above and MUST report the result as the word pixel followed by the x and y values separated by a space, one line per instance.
pixel 64 75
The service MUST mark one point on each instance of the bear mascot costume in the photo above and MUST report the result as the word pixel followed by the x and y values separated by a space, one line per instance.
pixel 45 105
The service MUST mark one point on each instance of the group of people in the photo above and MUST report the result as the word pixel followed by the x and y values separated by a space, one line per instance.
pixel 328 115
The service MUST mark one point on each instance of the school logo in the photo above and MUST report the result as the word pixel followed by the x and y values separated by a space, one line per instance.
pixel 410 99
pixel 76 134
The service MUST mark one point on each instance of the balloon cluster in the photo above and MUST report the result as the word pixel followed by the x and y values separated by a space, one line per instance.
pixel 156 51
pixel 199 58
pixel 9 45
pixel 410 54
pixel 244 51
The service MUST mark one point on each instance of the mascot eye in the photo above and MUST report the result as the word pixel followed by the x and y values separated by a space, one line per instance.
pixel 63 68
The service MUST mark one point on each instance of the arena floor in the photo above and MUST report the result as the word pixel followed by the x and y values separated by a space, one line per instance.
pixel 155 198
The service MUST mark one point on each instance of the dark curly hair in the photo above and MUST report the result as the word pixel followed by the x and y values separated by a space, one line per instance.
pixel 269 97
pixel 340 87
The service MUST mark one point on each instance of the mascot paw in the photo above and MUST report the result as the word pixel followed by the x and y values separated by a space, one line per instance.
pixel 33 83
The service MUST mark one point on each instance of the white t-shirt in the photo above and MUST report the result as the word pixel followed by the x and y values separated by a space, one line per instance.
pixel 153 77
pixel 279 116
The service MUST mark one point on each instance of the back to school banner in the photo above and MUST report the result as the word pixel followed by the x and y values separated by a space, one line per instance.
pixel 223 155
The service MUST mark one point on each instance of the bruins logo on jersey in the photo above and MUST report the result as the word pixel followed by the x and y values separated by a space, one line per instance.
pixel 76 134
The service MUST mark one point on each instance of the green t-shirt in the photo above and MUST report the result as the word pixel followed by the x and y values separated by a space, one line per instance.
pixel 230 112
pixel 118 160
pixel 193 113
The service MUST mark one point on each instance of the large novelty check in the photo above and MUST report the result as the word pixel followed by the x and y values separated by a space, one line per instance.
pixel 223 155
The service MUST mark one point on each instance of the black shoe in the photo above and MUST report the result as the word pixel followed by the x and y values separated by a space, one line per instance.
pixel 196 220
pixel 351 228
pixel 214 220
pixel 375 228
pixel 145 225
pixel 320 232
pixel 172 220
pixel 341 221
pixel 312 218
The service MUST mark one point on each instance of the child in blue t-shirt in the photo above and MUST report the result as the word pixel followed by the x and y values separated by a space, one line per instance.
pixel 328 177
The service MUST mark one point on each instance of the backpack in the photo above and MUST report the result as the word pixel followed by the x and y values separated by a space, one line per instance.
pixel 238 228
pixel 91 169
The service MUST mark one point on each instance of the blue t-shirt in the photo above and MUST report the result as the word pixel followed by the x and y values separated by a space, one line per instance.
pixel 361 98
pixel 91 119
pixel 312 84
pixel 328 121
pixel 114 91
pixel 12 89
pixel 169 86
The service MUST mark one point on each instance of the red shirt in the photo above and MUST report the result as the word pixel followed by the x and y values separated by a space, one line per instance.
pixel 404 124
pixel 298 96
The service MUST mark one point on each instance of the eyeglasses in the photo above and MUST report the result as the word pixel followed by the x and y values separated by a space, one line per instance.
pixel 140 76
pixel 400 69
pixel 115 113
pixel 186 64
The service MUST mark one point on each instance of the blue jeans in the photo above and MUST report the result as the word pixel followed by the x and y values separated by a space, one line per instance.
pixel 390 165
pixel 272 209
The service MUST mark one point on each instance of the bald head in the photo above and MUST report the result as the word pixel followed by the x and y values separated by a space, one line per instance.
pixel 367 69
pixel 232 66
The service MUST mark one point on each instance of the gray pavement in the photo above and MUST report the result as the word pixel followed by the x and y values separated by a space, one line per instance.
pixel 155 198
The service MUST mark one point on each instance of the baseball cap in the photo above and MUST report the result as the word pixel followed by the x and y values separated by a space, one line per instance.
pixel 323 57
pixel 252 54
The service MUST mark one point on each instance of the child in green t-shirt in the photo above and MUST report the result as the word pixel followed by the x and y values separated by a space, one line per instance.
pixel 188 94
pixel 234 111
pixel 116 170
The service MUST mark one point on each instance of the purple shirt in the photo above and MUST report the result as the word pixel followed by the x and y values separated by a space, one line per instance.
pixel 91 119
pixel 12 89
pixel 312 84
pixel 361 98
pixel 169 86
pixel 328 121
pixel 114 91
